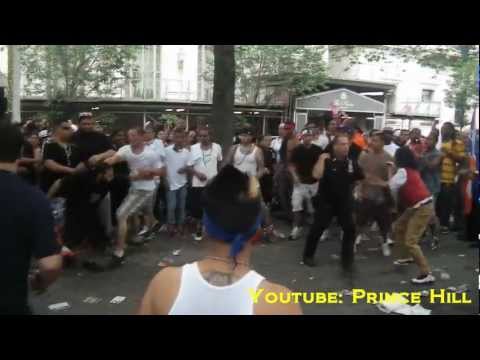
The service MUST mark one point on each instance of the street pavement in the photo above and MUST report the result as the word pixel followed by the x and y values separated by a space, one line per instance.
pixel 278 262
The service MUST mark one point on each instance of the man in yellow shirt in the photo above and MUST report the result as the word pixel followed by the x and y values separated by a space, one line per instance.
pixel 453 155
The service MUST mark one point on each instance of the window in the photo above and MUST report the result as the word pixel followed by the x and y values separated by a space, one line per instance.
pixel 427 96
pixel 180 60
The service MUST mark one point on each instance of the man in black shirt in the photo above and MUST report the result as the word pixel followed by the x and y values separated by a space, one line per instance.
pixel 83 193
pixel 60 157
pixel 94 147
pixel 26 223
pixel 337 174
pixel 302 160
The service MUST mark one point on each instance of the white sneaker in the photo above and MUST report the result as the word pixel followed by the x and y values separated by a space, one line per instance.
pixel 426 279
pixel 278 234
pixel 402 262
pixel 295 232
pixel 359 239
pixel 325 235
pixel 386 249
pixel 66 251
pixel 390 241
pixel 143 231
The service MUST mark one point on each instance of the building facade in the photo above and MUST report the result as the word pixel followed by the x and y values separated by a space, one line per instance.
pixel 414 95
pixel 169 73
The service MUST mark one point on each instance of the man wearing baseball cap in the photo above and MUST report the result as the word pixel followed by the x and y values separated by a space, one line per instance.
pixel 305 187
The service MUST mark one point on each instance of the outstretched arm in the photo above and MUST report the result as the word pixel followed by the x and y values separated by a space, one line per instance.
pixel 115 159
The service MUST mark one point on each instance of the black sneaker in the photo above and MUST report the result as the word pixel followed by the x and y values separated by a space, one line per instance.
pixel 116 262
pixel 93 266
pixel 309 262
pixel 444 230
pixel 198 236
pixel 137 241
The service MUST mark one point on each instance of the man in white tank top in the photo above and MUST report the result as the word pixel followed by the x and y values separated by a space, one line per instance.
pixel 222 283
pixel 246 156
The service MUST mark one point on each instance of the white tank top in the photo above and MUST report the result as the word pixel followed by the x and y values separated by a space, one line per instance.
pixel 245 163
pixel 198 297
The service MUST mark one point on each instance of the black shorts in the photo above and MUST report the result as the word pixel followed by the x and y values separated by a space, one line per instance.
pixel 195 202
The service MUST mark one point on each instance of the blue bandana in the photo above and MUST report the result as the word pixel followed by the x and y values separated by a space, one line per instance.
pixel 237 240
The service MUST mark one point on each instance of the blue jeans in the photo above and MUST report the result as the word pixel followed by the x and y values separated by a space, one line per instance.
pixel 176 200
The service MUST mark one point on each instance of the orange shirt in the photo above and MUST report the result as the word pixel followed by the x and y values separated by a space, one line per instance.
pixel 359 140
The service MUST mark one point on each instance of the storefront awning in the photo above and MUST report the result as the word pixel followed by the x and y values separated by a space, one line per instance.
pixel 343 99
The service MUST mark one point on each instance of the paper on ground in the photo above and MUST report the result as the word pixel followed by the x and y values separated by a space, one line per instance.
pixel 59 306
pixel 117 299
pixel 399 304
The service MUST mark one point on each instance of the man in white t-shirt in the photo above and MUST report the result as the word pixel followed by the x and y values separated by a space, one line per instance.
pixel 144 166
pixel 390 147
pixel 319 138
pixel 206 158
pixel 179 164
pixel 277 142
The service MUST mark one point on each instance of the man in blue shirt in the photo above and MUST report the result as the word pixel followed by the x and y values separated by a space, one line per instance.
pixel 26 225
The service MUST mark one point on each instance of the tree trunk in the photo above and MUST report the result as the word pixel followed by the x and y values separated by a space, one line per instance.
pixel 223 95
pixel 14 78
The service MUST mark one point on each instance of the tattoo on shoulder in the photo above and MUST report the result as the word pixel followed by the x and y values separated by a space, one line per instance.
pixel 219 278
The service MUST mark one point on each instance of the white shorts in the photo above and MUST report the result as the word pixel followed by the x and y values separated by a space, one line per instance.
pixel 301 193
pixel 136 202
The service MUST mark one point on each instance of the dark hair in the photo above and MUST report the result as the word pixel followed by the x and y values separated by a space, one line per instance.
pixel 11 141
pixel 203 128
pixel 30 133
pixel 179 130
pixel 138 129
pixel 57 123
pixel 404 158
pixel 101 169
pixel 452 128
pixel 225 202
pixel 379 134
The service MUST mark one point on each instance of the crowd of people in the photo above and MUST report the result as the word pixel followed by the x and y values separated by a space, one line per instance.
pixel 118 190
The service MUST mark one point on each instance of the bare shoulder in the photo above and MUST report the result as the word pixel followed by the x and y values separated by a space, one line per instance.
pixel 162 292
pixel 270 307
